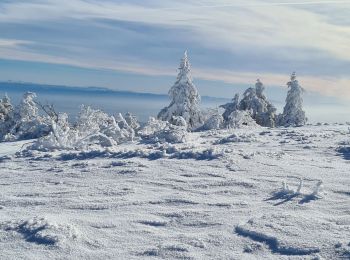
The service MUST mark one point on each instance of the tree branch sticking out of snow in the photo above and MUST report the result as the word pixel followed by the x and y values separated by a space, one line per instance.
pixel 185 98
pixel 315 194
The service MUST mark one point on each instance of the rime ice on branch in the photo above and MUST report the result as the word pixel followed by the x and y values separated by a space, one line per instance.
pixel 185 98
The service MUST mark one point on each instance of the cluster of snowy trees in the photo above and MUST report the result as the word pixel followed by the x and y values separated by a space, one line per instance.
pixel 95 127
pixel 253 108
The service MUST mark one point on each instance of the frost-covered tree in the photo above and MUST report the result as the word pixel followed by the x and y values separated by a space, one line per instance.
pixel 261 109
pixel 230 107
pixel 185 98
pixel 26 121
pixel 6 116
pixel 5 107
pixel 293 113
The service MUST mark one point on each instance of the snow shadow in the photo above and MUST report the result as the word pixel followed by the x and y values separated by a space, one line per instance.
pixel 283 196
pixel 286 197
pixel 273 243
pixel 154 155
pixel 344 152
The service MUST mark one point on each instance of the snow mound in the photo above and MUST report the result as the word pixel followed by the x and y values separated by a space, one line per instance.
pixel 288 234
pixel 41 231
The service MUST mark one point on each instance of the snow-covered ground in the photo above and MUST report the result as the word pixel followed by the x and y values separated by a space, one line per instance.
pixel 217 196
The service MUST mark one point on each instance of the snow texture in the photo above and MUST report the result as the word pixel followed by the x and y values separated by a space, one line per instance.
pixel 219 195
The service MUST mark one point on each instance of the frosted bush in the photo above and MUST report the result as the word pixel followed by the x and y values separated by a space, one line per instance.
pixel 261 110
pixel 93 127
pixel 239 119
pixel 25 122
pixel 132 121
pixel 214 122
pixel 162 131
pixel 230 107
pixel 153 125
pixel 178 121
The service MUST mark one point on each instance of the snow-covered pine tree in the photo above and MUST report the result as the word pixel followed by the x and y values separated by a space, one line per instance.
pixel 185 98
pixel 261 109
pixel 230 107
pixel 6 115
pixel 293 113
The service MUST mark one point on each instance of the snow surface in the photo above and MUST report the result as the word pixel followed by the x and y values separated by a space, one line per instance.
pixel 219 195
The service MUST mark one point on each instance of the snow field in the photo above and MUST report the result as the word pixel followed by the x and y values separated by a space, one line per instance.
pixel 201 199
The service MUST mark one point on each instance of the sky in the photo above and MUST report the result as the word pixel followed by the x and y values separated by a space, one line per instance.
pixel 136 45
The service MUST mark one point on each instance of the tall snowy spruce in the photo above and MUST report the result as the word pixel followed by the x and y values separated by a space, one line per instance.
pixel 185 98
pixel 293 113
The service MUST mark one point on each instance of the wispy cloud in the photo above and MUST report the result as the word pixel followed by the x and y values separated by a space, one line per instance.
pixel 89 34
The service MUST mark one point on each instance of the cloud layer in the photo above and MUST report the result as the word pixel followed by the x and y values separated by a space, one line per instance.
pixel 233 43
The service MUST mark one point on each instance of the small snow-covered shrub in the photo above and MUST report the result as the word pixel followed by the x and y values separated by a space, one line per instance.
pixel 132 121
pixel 178 121
pixel 261 109
pixel 162 131
pixel 239 119
pixel 214 122
pixel 153 125
pixel 93 127
pixel 230 107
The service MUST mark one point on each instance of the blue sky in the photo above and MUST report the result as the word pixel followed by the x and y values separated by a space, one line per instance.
pixel 137 44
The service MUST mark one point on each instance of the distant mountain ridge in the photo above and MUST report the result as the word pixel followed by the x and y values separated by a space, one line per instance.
pixel 11 86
